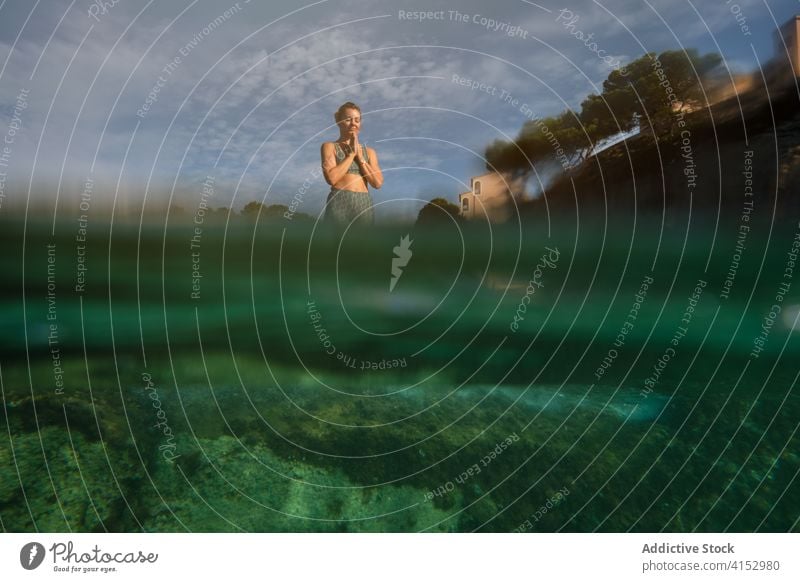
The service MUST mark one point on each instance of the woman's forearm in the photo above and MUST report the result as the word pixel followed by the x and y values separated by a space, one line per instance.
pixel 373 177
pixel 338 171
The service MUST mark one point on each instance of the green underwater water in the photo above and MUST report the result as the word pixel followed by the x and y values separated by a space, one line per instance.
pixel 298 393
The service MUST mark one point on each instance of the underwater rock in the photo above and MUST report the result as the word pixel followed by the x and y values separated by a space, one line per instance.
pixel 69 487
pixel 237 489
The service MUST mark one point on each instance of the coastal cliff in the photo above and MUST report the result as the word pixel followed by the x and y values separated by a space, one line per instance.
pixel 746 145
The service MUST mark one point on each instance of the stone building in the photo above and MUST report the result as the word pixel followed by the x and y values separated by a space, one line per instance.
pixel 488 199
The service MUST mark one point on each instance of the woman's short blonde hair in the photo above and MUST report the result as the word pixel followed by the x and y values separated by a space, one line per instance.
pixel 340 112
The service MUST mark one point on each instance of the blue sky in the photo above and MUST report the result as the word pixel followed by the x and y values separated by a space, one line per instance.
pixel 250 99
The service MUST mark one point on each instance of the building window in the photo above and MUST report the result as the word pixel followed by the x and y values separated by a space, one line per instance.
pixel 477 188
pixel 465 205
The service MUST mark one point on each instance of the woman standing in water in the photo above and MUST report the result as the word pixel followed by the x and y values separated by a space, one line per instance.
pixel 349 168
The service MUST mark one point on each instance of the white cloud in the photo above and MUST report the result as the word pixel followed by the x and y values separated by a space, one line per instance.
pixel 233 85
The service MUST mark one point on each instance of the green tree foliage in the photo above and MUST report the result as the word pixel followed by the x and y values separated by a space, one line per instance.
pixel 436 211
pixel 272 212
pixel 599 121
pixel 257 209
pixel 650 90
pixel 252 209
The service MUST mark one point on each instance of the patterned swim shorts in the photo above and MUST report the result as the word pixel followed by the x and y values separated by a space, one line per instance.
pixel 344 206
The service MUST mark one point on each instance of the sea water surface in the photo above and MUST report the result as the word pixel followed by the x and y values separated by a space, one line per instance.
pixel 267 378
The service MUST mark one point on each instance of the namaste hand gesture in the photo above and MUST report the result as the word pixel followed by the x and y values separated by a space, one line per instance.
pixel 354 146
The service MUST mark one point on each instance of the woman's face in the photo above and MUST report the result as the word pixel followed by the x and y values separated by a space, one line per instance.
pixel 350 122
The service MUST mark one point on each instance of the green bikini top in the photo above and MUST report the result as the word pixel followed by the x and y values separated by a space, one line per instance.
pixel 340 156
